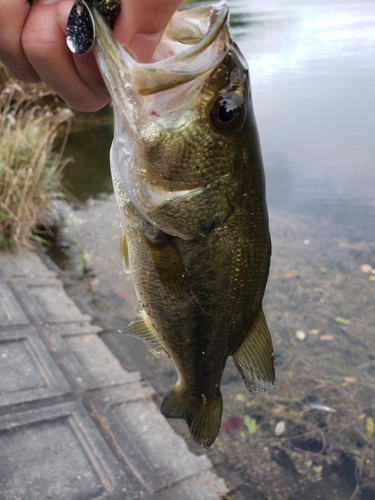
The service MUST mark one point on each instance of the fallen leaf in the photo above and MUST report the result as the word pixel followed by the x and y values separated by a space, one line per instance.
pixel 87 257
pixel 315 331
pixel 370 426
pixel 350 380
pixel 292 274
pixel 319 407
pixel 366 268
pixel 250 423
pixel 250 403
pixel 239 397
pixel 232 423
pixel 326 338
pixel 284 385
pixel 280 428
pixel 300 334
pixel 342 321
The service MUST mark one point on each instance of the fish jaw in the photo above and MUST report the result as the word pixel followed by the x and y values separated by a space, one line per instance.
pixel 177 60
pixel 162 95
pixel 128 80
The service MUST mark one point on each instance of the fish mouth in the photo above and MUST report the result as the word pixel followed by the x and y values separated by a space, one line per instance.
pixel 194 42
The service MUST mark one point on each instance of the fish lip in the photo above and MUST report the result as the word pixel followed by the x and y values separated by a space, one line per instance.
pixel 153 77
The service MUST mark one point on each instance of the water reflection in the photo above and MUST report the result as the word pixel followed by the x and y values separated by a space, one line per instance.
pixel 88 175
pixel 312 66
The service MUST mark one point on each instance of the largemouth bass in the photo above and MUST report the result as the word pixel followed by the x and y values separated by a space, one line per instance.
pixel 188 177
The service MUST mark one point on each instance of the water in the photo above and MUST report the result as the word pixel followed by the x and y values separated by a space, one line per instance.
pixel 312 69
pixel 313 74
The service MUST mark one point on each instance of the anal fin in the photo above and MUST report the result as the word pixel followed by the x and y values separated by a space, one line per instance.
pixel 254 358
pixel 141 327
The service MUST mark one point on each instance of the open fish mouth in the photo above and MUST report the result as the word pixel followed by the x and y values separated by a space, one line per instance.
pixel 157 97
pixel 194 42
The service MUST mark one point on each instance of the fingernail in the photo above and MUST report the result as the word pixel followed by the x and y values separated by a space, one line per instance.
pixel 46 1
pixel 144 45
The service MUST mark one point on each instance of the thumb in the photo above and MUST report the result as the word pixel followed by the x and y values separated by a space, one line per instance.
pixel 141 23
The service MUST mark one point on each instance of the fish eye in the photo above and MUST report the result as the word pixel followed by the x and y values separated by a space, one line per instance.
pixel 227 113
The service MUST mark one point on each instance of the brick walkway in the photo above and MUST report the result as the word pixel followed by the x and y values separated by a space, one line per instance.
pixel 73 423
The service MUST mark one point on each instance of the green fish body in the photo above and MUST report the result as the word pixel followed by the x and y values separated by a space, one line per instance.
pixel 188 176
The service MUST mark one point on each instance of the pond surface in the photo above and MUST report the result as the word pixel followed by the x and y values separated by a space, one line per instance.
pixel 312 69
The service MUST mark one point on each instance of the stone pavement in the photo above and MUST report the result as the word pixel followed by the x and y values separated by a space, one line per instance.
pixel 75 425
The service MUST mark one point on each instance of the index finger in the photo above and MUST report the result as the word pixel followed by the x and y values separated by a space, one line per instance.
pixel 12 20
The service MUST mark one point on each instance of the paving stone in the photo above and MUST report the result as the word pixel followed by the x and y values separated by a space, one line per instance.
pixel 75 328
pixel 161 456
pixel 27 370
pixel 24 264
pixel 47 301
pixel 144 439
pixel 57 453
pixel 10 311
pixel 74 424
pixel 203 486
pixel 19 371
pixel 91 362
pixel 110 397
pixel 31 460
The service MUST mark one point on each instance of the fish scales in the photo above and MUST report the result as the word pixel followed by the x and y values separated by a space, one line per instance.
pixel 188 177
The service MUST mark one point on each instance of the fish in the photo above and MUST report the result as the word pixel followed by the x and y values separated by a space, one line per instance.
pixel 188 177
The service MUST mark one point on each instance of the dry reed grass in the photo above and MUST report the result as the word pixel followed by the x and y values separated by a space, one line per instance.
pixel 31 118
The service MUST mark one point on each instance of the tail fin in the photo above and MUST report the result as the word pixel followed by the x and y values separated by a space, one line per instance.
pixel 203 417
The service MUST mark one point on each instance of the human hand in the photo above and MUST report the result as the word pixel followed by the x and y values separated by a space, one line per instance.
pixel 33 46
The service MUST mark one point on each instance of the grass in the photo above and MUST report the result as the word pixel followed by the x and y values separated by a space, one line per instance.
pixel 31 119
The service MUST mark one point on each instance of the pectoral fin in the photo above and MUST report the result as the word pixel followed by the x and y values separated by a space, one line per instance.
pixel 124 252
pixel 141 327
pixel 254 358
pixel 168 266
